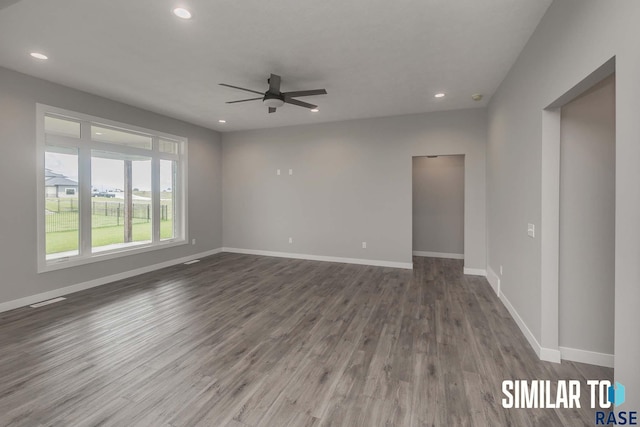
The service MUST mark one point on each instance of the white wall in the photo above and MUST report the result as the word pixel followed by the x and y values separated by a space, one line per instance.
pixel 573 39
pixel 438 204
pixel 18 253
pixel 351 183
pixel 587 221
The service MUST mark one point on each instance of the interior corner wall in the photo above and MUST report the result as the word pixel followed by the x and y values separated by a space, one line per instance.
pixel 18 217
pixel 438 204
pixel 572 40
pixel 351 183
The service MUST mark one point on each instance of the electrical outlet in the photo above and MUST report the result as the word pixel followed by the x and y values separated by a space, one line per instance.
pixel 364 245
pixel 501 270
pixel 193 241
pixel 290 239
pixel 290 171
pixel 277 171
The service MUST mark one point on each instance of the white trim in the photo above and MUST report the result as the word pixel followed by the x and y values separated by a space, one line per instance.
pixel 546 354
pixel 98 256
pixel 378 263
pixel 21 302
pixel 438 255
pixel 76 116
pixel 41 227
pixel 475 271
pixel 493 280
pixel 549 355
pixel 585 356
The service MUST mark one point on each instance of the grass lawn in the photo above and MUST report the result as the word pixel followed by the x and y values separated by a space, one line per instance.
pixel 64 241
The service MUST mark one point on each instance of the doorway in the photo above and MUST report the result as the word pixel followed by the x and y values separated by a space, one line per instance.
pixel 586 273
pixel 438 206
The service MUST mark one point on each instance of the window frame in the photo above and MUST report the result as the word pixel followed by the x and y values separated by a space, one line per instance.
pixel 85 144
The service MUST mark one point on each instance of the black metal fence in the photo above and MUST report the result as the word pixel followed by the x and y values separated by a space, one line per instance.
pixel 62 214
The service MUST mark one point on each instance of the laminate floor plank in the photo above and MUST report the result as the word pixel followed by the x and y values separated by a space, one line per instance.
pixel 244 341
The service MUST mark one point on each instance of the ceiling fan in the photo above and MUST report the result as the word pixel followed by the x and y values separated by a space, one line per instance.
pixel 273 98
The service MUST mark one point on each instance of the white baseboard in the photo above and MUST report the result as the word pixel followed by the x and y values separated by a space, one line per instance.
pixel 546 354
pixel 438 255
pixel 21 302
pixel 377 263
pixel 475 271
pixel 494 280
pixel 549 355
pixel 585 356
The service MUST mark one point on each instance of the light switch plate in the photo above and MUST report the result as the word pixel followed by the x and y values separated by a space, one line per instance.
pixel 531 230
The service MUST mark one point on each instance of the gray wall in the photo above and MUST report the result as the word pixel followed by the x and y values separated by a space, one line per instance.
pixel 438 204
pixel 587 220
pixel 18 253
pixel 351 183
pixel 573 39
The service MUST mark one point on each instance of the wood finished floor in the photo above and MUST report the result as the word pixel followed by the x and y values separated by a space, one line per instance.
pixel 239 340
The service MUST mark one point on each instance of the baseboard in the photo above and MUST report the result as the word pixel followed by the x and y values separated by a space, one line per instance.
pixel 377 263
pixel 546 354
pixel 585 356
pixel 438 255
pixel 494 280
pixel 550 355
pixel 475 271
pixel 32 299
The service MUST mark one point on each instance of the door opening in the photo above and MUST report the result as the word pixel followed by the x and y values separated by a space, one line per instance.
pixel 438 206
pixel 586 273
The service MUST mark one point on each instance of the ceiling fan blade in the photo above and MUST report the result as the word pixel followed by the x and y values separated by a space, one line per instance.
pixel 243 100
pixel 299 103
pixel 305 93
pixel 274 83
pixel 272 109
pixel 241 88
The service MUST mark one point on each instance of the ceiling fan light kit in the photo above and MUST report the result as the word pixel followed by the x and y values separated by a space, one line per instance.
pixel 274 99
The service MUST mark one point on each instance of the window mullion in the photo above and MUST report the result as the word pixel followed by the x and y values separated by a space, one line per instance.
pixel 84 188
pixel 155 192
pixel 180 196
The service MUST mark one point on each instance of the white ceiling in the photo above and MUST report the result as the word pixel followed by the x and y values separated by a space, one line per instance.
pixel 375 58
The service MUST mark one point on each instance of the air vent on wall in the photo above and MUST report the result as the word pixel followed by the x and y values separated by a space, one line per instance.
pixel 47 302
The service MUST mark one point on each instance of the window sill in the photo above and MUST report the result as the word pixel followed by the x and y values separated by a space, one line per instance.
pixel 62 263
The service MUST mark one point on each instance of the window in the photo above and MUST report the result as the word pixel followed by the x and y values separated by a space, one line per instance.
pixel 106 189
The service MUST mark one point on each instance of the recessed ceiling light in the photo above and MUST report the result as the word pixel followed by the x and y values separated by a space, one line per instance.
pixel 181 12
pixel 98 133
pixel 314 110
pixel 439 95
pixel 38 55
pixel 222 121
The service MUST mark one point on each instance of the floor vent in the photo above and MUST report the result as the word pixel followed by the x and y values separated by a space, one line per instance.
pixel 47 302
pixel 191 262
